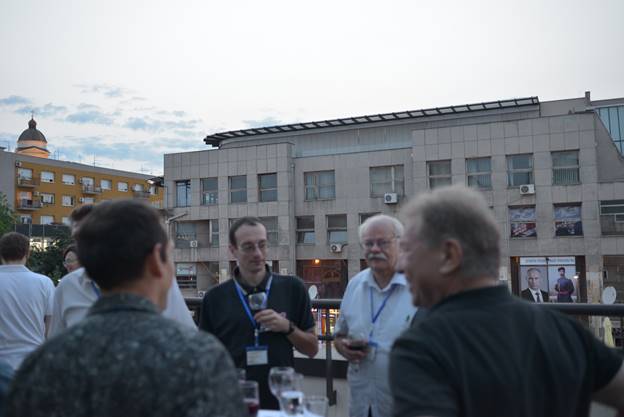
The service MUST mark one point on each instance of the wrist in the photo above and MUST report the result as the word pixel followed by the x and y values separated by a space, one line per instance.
pixel 291 328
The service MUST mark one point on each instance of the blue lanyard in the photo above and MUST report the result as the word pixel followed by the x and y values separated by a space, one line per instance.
pixel 239 291
pixel 96 290
pixel 375 316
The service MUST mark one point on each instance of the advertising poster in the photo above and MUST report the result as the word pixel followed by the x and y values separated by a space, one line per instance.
pixel 555 278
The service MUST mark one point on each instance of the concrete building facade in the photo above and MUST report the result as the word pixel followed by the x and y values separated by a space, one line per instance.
pixel 551 171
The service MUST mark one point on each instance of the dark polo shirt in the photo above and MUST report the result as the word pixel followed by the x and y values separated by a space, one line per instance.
pixel 485 353
pixel 224 316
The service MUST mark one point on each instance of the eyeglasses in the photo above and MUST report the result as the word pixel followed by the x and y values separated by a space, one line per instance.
pixel 70 261
pixel 249 247
pixel 381 243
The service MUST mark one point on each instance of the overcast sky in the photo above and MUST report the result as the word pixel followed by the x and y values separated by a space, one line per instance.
pixel 121 82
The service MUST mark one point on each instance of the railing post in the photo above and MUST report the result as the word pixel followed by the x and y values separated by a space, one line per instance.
pixel 329 366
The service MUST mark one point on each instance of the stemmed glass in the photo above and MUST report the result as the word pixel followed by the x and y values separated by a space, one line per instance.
pixel 280 376
pixel 316 406
pixel 257 302
pixel 358 340
pixel 291 395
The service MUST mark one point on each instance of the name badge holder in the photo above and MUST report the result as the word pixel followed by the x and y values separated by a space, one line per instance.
pixel 372 344
pixel 256 354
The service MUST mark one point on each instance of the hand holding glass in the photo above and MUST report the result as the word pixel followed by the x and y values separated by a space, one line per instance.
pixel 257 302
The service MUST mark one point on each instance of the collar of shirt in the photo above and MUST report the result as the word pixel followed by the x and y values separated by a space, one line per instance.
pixel 13 268
pixel 248 289
pixel 122 301
pixel 397 279
pixel 469 298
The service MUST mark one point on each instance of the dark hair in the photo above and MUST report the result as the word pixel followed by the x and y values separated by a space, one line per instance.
pixel 79 213
pixel 248 220
pixel 560 268
pixel 70 248
pixel 14 246
pixel 115 240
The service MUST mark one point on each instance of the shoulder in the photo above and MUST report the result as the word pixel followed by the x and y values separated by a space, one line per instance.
pixel 219 290
pixel 72 279
pixel 292 282
pixel 358 278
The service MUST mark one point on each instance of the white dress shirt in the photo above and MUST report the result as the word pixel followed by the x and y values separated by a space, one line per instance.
pixel 25 300
pixel 76 293
pixel 368 381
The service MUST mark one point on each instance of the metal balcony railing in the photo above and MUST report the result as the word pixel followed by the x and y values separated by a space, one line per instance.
pixel 25 182
pixel 25 204
pixel 91 189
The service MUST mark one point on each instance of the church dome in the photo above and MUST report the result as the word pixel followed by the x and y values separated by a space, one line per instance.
pixel 32 134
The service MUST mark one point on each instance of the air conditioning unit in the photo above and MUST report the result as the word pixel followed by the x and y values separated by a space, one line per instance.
pixel 193 243
pixel 18 163
pixel 335 248
pixel 391 198
pixel 201 294
pixel 527 189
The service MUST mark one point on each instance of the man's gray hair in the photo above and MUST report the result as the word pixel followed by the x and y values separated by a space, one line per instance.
pixel 533 270
pixel 460 213
pixel 397 226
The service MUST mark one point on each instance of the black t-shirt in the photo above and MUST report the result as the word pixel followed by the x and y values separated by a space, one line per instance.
pixel 224 316
pixel 485 353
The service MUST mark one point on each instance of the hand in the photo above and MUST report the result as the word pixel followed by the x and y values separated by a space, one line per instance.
pixel 272 321
pixel 343 345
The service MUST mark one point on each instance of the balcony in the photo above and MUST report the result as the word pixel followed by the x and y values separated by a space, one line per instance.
pixel 91 189
pixel 24 182
pixel 24 204
pixel 141 194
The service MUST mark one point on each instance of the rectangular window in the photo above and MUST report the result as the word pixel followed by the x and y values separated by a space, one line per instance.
pixel 185 234
pixel 87 200
pixel 210 191
pixel 386 180
pixel 183 193
pixel 46 220
pixel 479 172
pixel 25 219
pixel 238 189
pixel 565 167
pixel 122 186
pixel 138 188
pixel 47 198
pixel 568 220
pixel 439 173
pixel 305 230
pixel 24 173
pixel 153 190
pixel 66 221
pixel 106 184
pixel 337 228
pixel 612 217
pixel 214 233
pixel 186 275
pixel 319 185
pixel 270 223
pixel 47 176
pixel 364 216
pixel 67 201
pixel 522 221
pixel 87 181
pixel 69 179
pixel 519 170
pixel 267 187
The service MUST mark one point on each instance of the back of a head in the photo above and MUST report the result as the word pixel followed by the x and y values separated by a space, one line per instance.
pixel 115 239
pixel 14 247
pixel 461 213
pixel 80 213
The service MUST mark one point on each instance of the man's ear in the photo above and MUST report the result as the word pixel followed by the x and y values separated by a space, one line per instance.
pixel 154 263
pixel 452 256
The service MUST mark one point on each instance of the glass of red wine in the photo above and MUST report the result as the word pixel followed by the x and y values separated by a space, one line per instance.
pixel 358 340
pixel 251 396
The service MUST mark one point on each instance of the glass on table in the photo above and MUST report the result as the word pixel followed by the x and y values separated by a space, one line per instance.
pixel 251 396
pixel 291 395
pixel 316 406
pixel 279 376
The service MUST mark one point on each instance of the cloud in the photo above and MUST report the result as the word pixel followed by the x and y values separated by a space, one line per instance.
pixel 107 90
pixel 267 121
pixel 88 106
pixel 90 117
pixel 14 101
pixel 47 110
pixel 151 124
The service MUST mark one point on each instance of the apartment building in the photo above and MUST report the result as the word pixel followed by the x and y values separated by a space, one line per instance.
pixel 44 191
pixel 552 172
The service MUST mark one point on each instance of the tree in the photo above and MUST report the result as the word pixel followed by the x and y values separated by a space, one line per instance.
pixel 7 215
pixel 49 261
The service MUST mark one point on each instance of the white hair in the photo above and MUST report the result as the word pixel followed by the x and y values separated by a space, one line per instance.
pixel 397 226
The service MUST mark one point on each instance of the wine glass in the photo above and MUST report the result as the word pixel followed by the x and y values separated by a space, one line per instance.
pixel 257 302
pixel 291 396
pixel 279 376
pixel 251 396
pixel 358 340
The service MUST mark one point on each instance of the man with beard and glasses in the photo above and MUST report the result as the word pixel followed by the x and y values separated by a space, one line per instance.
pixel 375 309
